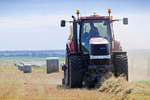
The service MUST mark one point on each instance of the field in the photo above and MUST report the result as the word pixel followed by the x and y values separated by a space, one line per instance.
pixel 15 85
pixel 38 85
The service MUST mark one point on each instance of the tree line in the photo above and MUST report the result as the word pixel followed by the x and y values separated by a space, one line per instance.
pixel 46 53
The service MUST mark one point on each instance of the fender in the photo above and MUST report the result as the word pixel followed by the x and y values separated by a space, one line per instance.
pixel 119 52
pixel 117 46
pixel 69 44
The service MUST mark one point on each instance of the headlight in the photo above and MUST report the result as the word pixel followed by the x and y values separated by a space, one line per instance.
pixel 100 57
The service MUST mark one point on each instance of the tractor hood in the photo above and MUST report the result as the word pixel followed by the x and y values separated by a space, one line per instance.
pixel 98 41
pixel 99 49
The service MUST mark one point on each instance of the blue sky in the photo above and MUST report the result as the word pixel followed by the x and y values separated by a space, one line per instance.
pixel 35 24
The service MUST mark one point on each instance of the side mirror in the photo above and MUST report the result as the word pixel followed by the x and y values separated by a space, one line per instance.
pixel 63 23
pixel 125 21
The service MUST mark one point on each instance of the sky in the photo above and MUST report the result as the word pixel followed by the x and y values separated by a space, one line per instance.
pixel 35 24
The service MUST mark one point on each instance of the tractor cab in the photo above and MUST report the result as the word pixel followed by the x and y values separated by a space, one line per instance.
pixel 94 27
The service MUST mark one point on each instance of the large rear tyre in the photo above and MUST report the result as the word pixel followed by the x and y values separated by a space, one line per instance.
pixel 66 79
pixel 76 71
pixel 121 65
pixel 63 81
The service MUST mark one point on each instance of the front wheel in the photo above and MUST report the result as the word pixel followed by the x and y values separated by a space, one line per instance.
pixel 121 65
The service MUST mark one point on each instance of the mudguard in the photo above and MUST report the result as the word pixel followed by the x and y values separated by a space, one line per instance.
pixel 69 44
pixel 119 52
pixel 117 46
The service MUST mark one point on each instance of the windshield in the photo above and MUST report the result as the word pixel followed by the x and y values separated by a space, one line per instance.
pixel 94 28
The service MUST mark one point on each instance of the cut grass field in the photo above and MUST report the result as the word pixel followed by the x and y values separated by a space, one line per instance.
pixel 16 85
pixel 40 86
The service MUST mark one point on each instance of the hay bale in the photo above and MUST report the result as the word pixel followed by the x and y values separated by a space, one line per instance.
pixel 52 64
pixel 27 68
pixel 15 64
pixel 18 66
pixel 21 67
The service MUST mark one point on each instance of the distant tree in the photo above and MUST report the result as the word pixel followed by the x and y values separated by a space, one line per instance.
pixel 33 54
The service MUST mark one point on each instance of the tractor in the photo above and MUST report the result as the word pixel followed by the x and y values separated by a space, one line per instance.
pixel 92 51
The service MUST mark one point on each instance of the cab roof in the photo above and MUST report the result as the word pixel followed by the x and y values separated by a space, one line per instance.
pixel 95 17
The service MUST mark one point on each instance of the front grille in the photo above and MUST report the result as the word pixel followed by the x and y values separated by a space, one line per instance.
pixel 99 49
pixel 100 61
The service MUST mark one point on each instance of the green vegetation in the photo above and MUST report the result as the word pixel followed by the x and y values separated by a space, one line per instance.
pixel 61 62
pixel 42 69
pixel 41 53
pixel 25 59
pixel 8 67
pixel 147 83
pixel 26 56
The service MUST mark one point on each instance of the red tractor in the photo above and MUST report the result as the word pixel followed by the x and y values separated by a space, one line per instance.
pixel 92 51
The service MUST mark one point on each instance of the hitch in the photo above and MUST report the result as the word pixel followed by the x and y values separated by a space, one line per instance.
pixel 63 67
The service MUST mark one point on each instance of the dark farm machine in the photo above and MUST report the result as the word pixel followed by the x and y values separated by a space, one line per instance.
pixel 92 51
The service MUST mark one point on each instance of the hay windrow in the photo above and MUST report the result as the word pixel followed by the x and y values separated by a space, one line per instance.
pixel 121 89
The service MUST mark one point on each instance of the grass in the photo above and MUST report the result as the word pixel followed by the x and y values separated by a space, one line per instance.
pixel 41 86
pixel 147 83
pixel 38 86
pixel 41 69
pixel 61 62
pixel 8 67
pixel 121 89
pixel 26 59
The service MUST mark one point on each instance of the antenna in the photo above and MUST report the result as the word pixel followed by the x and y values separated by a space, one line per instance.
pixel 84 7
pixel 94 13
pixel 109 11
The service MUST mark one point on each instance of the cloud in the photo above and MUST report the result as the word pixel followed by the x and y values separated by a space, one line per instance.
pixel 29 21
pixel 135 34
pixel 37 31
pixel 33 32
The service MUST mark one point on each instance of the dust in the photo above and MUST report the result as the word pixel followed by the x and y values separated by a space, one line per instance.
pixel 139 63
pixel 138 74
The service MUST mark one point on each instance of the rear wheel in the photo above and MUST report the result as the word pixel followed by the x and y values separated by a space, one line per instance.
pixel 76 73
pixel 66 71
pixel 121 65
pixel 63 81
